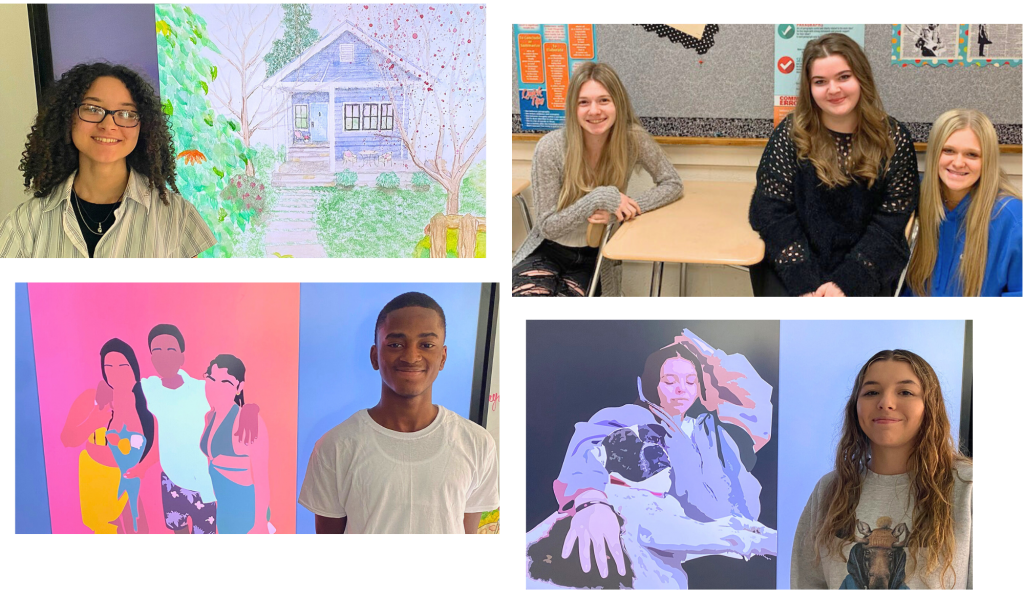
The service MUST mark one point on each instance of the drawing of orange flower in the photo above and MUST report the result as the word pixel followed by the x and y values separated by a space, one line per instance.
pixel 192 156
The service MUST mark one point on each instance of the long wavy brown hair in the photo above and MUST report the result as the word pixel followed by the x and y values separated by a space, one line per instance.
pixel 620 152
pixel 932 467
pixel 872 145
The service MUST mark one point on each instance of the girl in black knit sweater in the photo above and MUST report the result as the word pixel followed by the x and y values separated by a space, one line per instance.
pixel 836 184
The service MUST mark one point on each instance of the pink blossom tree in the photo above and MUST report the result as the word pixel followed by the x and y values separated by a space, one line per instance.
pixel 443 129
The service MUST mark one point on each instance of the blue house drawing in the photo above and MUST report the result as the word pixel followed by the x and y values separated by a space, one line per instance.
pixel 340 112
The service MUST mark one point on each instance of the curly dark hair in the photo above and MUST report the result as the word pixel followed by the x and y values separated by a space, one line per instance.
pixel 50 156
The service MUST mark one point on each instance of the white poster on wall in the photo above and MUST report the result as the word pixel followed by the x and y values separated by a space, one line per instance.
pixel 495 412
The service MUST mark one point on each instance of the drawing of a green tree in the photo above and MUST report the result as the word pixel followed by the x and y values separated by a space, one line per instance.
pixel 298 36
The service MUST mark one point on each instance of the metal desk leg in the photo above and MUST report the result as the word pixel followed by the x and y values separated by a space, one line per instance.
pixel 600 257
pixel 682 279
pixel 657 268
pixel 526 211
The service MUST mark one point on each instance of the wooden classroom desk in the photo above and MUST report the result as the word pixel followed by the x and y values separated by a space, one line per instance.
pixel 709 224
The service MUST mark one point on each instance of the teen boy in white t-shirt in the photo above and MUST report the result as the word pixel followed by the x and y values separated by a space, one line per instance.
pixel 405 465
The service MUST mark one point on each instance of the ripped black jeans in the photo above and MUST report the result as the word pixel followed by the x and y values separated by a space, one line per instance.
pixel 554 270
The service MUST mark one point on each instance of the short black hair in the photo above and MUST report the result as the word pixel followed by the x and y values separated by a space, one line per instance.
pixel 166 329
pixel 409 299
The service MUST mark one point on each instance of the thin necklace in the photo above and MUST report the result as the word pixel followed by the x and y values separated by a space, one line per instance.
pixel 86 219
pixel 949 203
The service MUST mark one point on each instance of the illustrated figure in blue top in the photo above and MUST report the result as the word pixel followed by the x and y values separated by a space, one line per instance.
pixel 239 471
pixel 127 448
pixel 663 480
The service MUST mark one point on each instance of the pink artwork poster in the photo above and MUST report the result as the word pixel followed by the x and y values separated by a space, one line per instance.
pixel 187 423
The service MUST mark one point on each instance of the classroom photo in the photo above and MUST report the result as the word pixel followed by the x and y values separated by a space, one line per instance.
pixel 766 160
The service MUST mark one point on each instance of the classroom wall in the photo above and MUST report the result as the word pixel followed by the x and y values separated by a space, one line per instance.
pixel 18 97
pixel 735 78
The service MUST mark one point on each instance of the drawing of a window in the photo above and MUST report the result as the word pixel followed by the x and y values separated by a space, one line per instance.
pixel 351 117
pixel 370 116
pixel 347 52
pixel 387 117
pixel 301 116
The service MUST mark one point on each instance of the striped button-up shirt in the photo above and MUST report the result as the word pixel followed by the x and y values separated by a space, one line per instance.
pixel 143 226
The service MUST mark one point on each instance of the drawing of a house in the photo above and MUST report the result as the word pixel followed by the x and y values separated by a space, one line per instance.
pixel 340 114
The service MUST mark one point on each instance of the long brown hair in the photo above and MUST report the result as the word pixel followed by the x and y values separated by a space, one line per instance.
pixel 932 466
pixel 872 144
pixel 992 184
pixel 619 155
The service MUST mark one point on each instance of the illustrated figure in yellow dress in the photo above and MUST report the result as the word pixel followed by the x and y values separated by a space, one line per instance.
pixel 119 434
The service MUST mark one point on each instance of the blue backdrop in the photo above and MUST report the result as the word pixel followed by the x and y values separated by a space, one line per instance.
pixel 31 506
pixel 818 363
pixel 336 324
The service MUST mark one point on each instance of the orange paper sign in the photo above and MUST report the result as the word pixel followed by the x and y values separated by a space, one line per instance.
pixel 531 59
pixel 581 42
pixel 556 67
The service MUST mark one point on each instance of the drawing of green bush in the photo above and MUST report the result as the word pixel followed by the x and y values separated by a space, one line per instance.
pixel 346 178
pixel 387 180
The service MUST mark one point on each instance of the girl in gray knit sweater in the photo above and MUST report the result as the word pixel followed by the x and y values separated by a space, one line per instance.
pixel 579 173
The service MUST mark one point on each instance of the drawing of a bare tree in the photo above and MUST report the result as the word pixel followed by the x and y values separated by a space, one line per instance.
pixel 246 55
pixel 445 131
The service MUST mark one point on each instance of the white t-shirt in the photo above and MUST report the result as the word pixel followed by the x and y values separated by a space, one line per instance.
pixel 181 417
pixel 387 481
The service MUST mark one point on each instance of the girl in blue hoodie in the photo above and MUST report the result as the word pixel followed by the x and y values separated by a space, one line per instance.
pixel 970 214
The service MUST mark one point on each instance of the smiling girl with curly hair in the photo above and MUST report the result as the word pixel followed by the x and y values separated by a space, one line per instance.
pixel 896 513
pixel 100 164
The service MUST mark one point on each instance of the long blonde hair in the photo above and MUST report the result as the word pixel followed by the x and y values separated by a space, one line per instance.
pixel 872 144
pixel 932 466
pixel 992 184
pixel 619 155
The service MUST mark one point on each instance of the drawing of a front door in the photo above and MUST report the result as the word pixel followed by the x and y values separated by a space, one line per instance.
pixel 318 122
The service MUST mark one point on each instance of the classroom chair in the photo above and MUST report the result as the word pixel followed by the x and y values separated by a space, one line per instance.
pixel 911 232
pixel 597 236
pixel 527 219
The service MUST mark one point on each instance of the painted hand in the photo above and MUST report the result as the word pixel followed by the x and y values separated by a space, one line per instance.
pixel 248 423
pixel 134 472
pixel 104 395
pixel 597 525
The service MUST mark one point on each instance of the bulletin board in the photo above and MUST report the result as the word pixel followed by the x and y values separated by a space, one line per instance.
pixel 727 92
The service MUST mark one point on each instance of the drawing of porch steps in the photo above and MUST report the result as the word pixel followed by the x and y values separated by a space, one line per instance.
pixel 292 229
pixel 302 179
pixel 297 153
pixel 307 166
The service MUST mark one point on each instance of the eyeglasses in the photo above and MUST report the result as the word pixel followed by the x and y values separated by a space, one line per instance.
pixel 96 114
